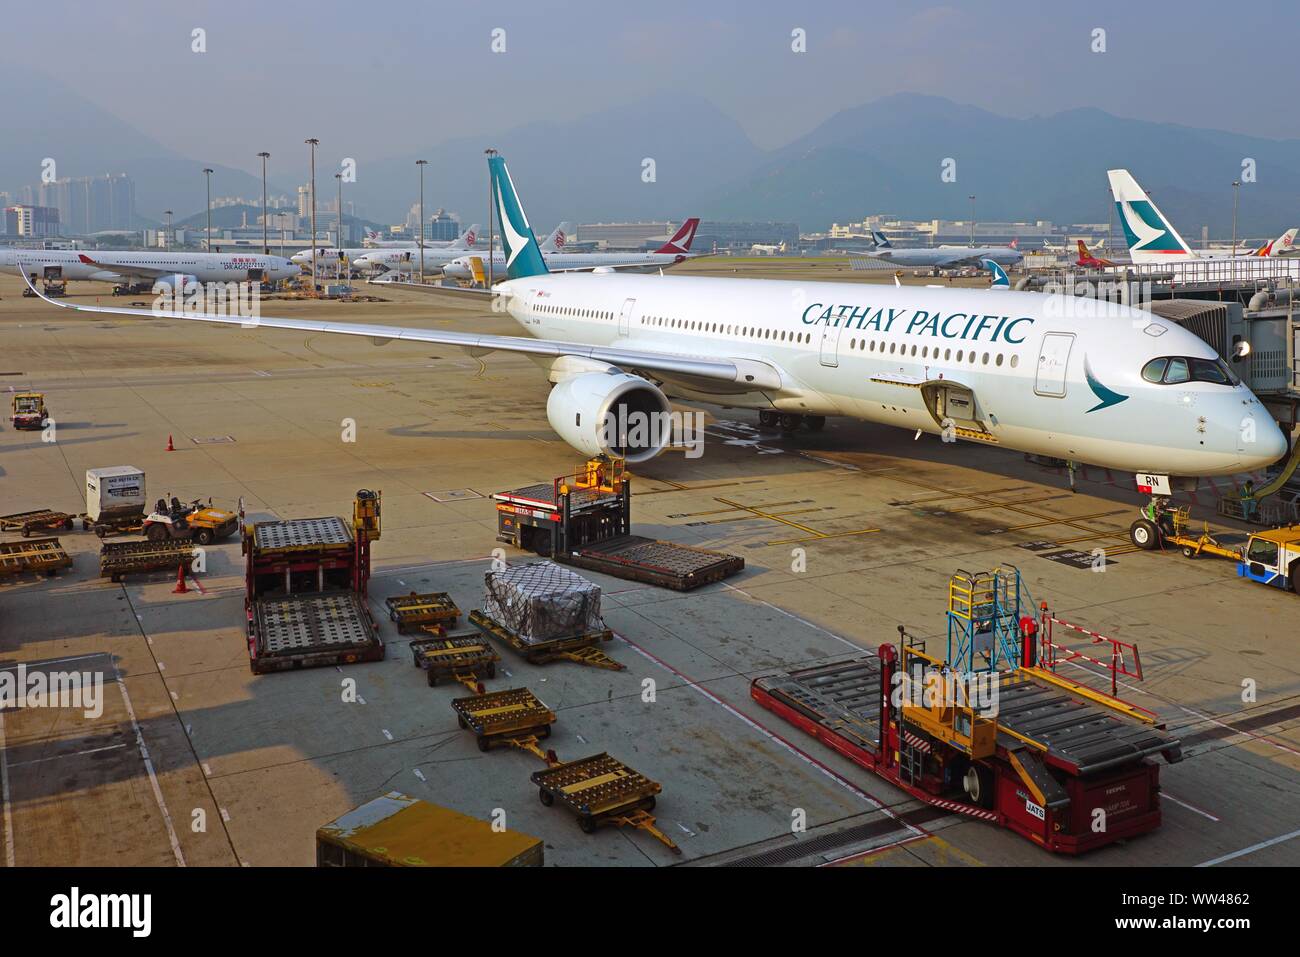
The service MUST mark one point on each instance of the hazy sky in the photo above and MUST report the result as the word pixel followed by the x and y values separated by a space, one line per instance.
pixel 398 76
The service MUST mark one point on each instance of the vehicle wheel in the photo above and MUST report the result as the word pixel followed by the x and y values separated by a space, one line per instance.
pixel 815 423
pixel 767 417
pixel 978 783
pixel 67 523
pixel 587 823
pixel 156 533
pixel 492 669
pixel 545 731
pixel 433 679
pixel 460 720
pixel 649 804
pixel 484 745
pixel 26 532
pixel 1293 576
pixel 789 422
pixel 204 536
pixel 545 796
pixel 1189 552
pixel 101 532
pixel 1144 534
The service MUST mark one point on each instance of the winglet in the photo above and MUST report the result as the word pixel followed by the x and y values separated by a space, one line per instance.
pixel 523 258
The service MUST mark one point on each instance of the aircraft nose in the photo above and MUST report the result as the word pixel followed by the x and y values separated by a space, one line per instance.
pixel 1261 442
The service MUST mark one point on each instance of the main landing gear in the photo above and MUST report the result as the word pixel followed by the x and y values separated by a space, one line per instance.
pixel 790 421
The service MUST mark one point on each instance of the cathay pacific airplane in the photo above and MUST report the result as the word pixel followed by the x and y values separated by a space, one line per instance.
pixel 1075 379
pixel 945 256
pixel 132 270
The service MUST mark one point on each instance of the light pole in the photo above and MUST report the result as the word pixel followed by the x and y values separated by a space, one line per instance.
pixel 1236 192
pixel 266 247
pixel 208 175
pixel 167 236
pixel 490 153
pixel 972 219
pixel 338 271
pixel 313 143
pixel 420 241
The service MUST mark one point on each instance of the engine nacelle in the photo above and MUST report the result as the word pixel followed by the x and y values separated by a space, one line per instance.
pixel 611 413
pixel 168 285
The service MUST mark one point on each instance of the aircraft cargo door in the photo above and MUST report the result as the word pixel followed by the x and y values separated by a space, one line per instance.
pixel 1053 360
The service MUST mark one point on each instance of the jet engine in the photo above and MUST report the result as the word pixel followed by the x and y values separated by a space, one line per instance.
pixel 611 413
pixel 170 285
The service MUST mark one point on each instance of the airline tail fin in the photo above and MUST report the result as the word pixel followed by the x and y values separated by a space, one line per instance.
pixel 467 239
pixel 1083 249
pixel 1151 237
pixel 881 240
pixel 554 243
pixel 518 243
pixel 1000 278
pixel 1015 242
pixel 1280 246
pixel 682 239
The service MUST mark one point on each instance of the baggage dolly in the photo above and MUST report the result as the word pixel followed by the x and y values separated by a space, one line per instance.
pixel 577 648
pixel 42 518
pixel 412 612
pixel 603 790
pixel 465 658
pixel 514 717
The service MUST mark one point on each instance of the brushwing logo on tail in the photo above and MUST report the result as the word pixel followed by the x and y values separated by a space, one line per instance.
pixel 1144 229
pixel 1107 397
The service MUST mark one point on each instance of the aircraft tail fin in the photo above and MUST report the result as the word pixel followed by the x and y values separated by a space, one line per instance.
pixel 1000 278
pixel 518 243
pixel 881 240
pixel 467 239
pixel 1151 237
pixel 1281 246
pixel 559 236
pixel 1083 249
pixel 1015 242
pixel 682 239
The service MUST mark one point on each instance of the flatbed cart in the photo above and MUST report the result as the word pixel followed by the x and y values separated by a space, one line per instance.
pixel 41 518
pixel 581 649
pixel 310 630
pixel 469 659
pixel 515 717
pixel 585 520
pixel 602 790
pixel 118 559
pixel 414 611
pixel 44 555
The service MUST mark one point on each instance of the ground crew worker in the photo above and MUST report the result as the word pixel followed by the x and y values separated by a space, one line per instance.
pixel 1248 504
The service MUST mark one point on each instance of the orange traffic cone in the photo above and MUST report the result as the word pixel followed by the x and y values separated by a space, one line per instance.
pixel 170 447
pixel 180 588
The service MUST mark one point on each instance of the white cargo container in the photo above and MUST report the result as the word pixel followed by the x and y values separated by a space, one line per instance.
pixel 115 492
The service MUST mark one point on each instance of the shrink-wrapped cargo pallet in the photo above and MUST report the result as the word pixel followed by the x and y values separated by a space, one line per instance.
pixel 542 601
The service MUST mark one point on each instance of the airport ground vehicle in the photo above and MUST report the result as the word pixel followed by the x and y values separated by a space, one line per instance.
pixel 585 520
pixel 1061 763
pixel 400 831
pixel 306 581
pixel 188 520
pixel 1271 556
pixel 27 410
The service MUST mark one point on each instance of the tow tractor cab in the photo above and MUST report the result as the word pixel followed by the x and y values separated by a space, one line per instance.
pixel 28 410
pixel 1273 557
pixel 178 519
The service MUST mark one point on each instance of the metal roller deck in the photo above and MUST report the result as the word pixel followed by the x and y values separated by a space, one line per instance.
pixel 44 555
pixel 118 559
pixel 296 631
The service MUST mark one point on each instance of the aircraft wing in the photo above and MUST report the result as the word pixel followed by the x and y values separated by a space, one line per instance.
pixel 753 374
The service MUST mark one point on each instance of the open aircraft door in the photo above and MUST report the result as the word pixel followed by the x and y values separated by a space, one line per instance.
pixel 52 273
pixel 953 405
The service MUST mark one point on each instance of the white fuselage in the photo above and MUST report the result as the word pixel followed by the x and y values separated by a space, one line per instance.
pixel 460 268
pixel 1056 376
pixel 117 266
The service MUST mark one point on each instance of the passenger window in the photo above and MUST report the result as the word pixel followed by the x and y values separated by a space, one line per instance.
pixel 1015 361
pixel 1177 371
pixel 1154 370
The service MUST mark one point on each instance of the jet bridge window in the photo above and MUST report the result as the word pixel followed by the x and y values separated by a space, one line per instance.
pixel 1173 370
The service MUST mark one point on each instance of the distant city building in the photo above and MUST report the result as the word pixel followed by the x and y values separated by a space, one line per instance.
pixel 441 226
pixel 88 204
pixel 31 221
pixel 304 200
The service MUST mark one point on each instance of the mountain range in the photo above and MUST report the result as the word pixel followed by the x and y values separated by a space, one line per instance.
pixel 885 156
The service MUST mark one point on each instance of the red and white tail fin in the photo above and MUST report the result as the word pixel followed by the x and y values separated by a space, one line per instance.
pixel 682 239
pixel 1015 242
pixel 1083 249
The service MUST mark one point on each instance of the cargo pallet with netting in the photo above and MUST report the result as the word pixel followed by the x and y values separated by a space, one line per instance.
pixel 602 790
pixel 515 717
pixel 469 659
pixel 414 611
pixel 305 590
pixel 41 518
pixel 585 520
pixel 582 649
pixel 119 559
pixel 44 555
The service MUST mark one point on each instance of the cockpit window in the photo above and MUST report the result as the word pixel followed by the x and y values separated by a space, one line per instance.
pixel 1154 370
pixel 1172 370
